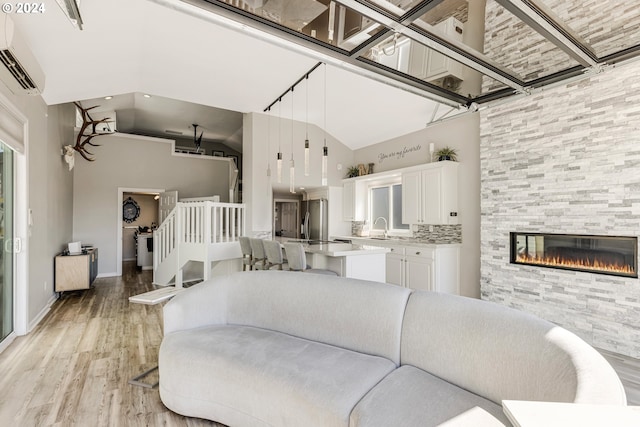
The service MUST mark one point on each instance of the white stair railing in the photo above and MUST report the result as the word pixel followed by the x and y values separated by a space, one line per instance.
pixel 196 231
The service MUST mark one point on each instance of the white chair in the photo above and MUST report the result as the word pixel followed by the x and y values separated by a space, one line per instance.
pixel 273 251
pixel 259 257
pixel 247 254
pixel 298 261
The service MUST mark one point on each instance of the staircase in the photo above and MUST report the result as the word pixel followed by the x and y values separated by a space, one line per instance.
pixel 202 231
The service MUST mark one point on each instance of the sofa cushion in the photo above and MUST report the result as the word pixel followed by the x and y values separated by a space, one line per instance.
pixel 411 397
pixel 354 314
pixel 503 354
pixel 242 375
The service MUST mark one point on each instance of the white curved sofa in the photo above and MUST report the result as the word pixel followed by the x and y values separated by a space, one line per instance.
pixel 272 348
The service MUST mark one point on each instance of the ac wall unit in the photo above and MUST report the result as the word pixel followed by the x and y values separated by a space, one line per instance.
pixel 19 69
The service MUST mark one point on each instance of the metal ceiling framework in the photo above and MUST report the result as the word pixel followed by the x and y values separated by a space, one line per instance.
pixel 532 12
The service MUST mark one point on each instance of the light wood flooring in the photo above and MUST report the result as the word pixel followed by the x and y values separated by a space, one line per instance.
pixel 74 367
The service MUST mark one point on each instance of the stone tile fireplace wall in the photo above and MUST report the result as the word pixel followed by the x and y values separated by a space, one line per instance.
pixel 566 160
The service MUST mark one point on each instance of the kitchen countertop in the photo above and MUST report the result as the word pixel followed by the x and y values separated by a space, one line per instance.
pixel 395 241
pixel 343 249
pixel 336 249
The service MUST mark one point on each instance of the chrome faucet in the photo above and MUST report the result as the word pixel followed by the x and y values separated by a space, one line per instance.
pixel 386 225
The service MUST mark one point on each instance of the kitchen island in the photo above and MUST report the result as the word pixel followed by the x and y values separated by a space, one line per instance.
pixel 348 260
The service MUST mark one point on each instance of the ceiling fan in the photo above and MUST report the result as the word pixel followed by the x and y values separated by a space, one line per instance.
pixel 197 140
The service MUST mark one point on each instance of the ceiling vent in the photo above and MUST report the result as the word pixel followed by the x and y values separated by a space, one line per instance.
pixel 19 69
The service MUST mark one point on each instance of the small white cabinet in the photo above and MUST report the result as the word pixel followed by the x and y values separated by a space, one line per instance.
pixel 395 266
pixel 430 194
pixel 419 269
pixel 430 65
pixel 353 200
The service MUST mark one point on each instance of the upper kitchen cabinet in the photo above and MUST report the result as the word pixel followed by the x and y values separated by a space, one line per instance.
pixel 353 200
pixel 432 66
pixel 430 194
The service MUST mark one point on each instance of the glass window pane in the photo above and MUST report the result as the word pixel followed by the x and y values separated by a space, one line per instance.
pixel 397 208
pixel 606 26
pixel 397 7
pixel 6 235
pixel 324 20
pixel 410 57
pixel 519 48
pixel 379 207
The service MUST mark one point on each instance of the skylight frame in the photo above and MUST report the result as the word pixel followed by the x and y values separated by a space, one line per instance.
pixel 532 13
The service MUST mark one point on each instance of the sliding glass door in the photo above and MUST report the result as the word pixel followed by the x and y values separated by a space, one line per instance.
pixel 6 237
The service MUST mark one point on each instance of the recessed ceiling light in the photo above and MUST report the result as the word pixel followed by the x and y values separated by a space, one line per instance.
pixel 108 97
pixel 146 95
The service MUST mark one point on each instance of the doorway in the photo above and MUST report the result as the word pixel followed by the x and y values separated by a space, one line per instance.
pixel 286 218
pixel 136 221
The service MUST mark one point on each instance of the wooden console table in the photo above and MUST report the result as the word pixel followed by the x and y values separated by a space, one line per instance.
pixel 74 272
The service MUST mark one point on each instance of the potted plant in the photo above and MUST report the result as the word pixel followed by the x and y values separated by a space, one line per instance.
pixel 353 171
pixel 447 153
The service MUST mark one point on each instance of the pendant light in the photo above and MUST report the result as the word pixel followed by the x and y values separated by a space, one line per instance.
pixel 306 140
pixel 279 157
pixel 269 142
pixel 292 167
pixel 325 149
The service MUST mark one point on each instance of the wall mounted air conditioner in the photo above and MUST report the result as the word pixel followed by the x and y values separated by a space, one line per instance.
pixel 19 69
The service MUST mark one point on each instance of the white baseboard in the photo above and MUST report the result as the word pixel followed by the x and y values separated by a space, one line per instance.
pixel 112 274
pixel 42 313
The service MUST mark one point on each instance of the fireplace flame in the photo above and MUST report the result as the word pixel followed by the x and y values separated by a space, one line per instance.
pixel 583 264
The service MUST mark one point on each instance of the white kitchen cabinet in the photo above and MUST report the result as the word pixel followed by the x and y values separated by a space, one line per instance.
pixel 419 269
pixel 430 65
pixel 353 200
pixel 430 268
pixel 430 194
pixel 395 261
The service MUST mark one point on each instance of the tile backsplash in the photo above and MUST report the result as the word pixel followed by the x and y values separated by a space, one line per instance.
pixel 440 233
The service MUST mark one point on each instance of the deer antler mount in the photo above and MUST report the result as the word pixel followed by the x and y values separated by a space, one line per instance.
pixel 85 138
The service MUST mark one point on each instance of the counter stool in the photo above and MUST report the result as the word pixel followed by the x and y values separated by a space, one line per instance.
pixel 273 251
pixel 298 261
pixel 247 254
pixel 259 257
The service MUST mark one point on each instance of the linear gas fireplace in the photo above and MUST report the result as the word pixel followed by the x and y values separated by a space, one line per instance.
pixel 617 256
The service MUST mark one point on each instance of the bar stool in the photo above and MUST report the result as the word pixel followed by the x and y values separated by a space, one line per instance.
pixel 259 257
pixel 298 261
pixel 247 255
pixel 273 250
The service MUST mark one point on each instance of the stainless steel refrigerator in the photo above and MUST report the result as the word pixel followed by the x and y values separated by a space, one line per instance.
pixel 314 226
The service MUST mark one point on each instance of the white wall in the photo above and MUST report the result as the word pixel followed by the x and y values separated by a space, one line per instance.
pixel 50 188
pixel 128 161
pixel 463 134
pixel 257 151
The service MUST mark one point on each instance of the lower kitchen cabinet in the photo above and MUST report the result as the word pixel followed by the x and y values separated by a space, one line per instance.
pixel 419 269
pixel 425 268
pixel 395 266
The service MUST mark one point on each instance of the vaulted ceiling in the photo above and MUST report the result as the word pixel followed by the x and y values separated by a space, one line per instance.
pixel 241 55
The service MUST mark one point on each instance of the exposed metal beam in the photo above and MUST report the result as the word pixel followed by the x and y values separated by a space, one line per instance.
pixel 542 20
pixel 288 38
pixel 368 44
pixel 440 43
